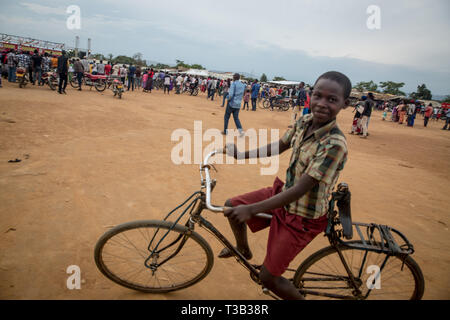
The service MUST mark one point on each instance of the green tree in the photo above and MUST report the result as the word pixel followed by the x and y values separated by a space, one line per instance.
pixel 98 56
pixel 278 79
pixel 392 87
pixel 422 93
pixel 137 57
pixel 110 56
pixel 446 99
pixel 123 60
pixel 263 78
pixel 182 64
pixel 366 86
pixel 197 66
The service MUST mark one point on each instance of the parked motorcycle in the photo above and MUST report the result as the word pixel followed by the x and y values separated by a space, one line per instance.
pixel 282 104
pixel 22 77
pixel 97 81
pixel 117 88
pixel 51 79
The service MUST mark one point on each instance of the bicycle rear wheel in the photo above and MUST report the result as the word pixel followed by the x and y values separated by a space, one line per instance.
pixel 74 83
pixel 324 273
pixel 120 254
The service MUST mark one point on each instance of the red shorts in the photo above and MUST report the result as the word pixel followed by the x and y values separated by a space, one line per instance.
pixel 289 233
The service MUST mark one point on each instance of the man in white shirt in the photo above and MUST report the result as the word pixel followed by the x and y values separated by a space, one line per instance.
pixel 116 69
pixel 123 73
pixel 85 64
pixel 179 83
pixel 101 68
pixel 212 89
pixel 167 83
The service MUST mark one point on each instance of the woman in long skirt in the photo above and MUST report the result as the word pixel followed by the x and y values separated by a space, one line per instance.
pixel 149 84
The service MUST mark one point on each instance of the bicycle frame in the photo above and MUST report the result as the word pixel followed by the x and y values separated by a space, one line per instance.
pixel 200 201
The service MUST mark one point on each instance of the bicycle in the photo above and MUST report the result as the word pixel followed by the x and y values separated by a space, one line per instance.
pixel 164 256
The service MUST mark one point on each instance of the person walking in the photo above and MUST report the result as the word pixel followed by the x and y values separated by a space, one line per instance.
pixel 301 99
pixel 367 112
pixel 36 63
pixel 78 70
pixel 447 120
pixel 359 108
pixel 12 61
pixel 411 112
pixel 402 112
pixel 212 91
pixel 255 92
pixel 235 94
pixel 131 75
pixel 427 114
pixel 138 77
pixel 62 69
pixel 167 84
pixel 246 99
pixel 226 88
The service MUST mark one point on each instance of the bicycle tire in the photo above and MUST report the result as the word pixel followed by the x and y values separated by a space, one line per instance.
pixel 163 226
pixel 74 83
pixel 266 104
pixel 100 85
pixel 285 106
pixel 195 93
pixel 52 83
pixel 413 267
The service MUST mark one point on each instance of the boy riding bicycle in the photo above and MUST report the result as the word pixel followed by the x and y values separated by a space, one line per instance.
pixel 299 206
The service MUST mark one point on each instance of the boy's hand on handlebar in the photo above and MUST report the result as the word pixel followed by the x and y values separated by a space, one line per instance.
pixel 239 214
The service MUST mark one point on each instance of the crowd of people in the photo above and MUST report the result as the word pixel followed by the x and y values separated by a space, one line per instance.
pixel 148 79
pixel 402 112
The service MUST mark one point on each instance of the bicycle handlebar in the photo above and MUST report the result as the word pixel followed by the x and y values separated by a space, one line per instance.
pixel 207 181
pixel 207 184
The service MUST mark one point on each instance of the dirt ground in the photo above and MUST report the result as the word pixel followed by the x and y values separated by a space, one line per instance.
pixel 90 161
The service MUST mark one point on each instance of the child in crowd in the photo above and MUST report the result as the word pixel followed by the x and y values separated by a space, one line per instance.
pixel 386 109
pixel 246 99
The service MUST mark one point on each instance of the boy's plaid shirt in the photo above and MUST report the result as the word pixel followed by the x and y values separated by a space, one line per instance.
pixel 321 156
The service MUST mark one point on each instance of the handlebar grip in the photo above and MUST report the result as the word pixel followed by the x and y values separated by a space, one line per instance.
pixel 226 208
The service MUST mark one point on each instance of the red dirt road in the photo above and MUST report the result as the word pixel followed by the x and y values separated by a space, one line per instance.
pixel 90 161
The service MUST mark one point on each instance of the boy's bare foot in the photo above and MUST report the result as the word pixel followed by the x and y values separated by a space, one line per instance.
pixel 227 253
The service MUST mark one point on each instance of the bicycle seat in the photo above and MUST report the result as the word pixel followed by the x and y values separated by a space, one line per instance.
pixel 345 216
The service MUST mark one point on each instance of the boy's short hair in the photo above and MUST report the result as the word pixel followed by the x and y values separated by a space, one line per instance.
pixel 340 78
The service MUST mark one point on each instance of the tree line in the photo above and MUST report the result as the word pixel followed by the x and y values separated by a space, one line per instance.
pixel 392 87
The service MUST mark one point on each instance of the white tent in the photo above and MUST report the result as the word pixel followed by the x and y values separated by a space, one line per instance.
pixel 197 72
pixel 285 83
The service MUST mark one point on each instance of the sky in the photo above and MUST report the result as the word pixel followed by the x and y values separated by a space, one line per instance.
pixel 296 39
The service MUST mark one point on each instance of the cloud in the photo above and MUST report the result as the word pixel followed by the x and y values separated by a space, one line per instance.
pixel 41 9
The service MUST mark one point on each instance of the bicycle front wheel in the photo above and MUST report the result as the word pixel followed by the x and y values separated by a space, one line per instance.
pixel 323 275
pixel 266 104
pixel 182 257
pixel 74 83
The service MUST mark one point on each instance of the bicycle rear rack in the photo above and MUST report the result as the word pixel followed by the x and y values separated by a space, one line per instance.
pixel 380 239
